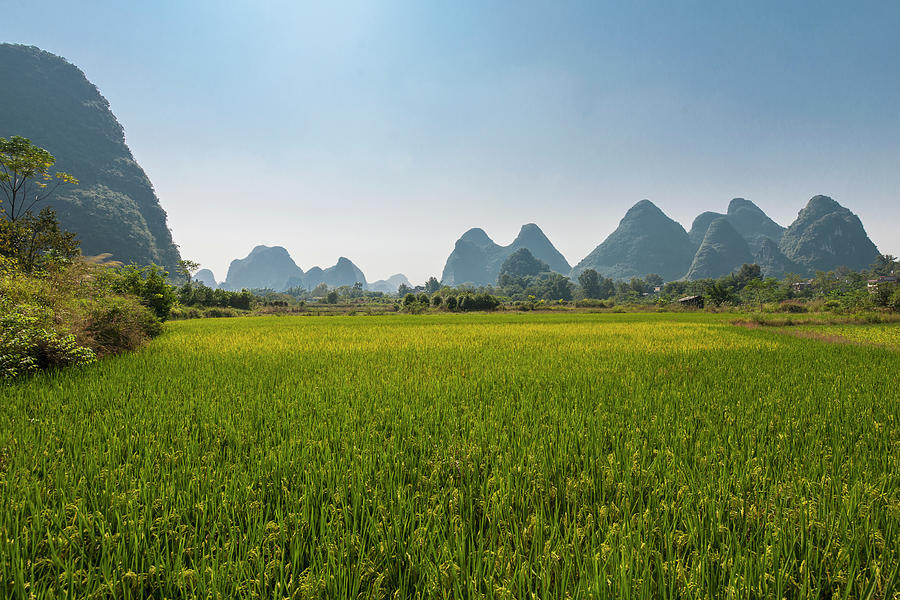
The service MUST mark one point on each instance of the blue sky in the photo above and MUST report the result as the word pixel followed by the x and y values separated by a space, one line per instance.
pixel 382 131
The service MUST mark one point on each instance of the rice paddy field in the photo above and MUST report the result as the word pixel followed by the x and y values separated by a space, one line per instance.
pixel 458 456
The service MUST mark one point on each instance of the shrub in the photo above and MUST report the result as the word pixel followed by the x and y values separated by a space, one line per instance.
pixel 792 306
pixel 450 303
pixel 118 323
pixel 28 342
pixel 436 300
pixel 468 302
pixel 149 284
pixel 894 303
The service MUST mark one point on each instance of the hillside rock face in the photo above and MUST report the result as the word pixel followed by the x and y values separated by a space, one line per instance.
pixel 264 268
pixel 825 236
pixel 114 208
pixel 476 259
pixel 752 223
pixel 390 285
pixel 700 225
pixel 646 241
pixel 722 251
pixel 772 262
pixel 206 277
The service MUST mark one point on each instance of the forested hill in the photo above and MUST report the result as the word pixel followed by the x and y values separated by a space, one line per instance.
pixel 114 208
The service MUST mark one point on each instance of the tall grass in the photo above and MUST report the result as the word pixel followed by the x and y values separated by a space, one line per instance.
pixel 447 456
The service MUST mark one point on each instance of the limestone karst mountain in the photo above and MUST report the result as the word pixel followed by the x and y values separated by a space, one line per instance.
pixel 273 268
pixel 476 258
pixel 700 225
pixel 206 277
pixel 773 263
pixel 264 268
pixel 344 272
pixel 390 285
pixel 114 208
pixel 826 235
pixel 722 251
pixel 646 241
pixel 752 223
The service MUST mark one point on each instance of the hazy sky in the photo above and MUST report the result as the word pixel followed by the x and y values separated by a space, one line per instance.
pixel 382 131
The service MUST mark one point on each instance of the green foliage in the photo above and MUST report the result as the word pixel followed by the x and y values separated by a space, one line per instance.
pixel 521 263
pixel 197 294
pixel 332 297
pixel 29 341
pixel 469 302
pixel 450 303
pixel 894 303
pixel 25 177
pixel 35 242
pixel 432 285
pixel 150 286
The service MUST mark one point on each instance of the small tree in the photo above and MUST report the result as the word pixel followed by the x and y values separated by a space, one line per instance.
pixel 432 285
pixel 590 283
pixel 25 177
pixel 34 242
pixel 186 269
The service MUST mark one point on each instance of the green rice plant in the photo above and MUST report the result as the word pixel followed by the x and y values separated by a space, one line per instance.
pixel 509 455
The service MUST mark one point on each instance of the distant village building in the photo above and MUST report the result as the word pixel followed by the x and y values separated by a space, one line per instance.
pixel 691 301
pixel 882 280
pixel 802 286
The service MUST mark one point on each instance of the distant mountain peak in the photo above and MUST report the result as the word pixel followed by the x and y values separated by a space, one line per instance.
pixel 646 241
pixel 723 251
pixel 826 235
pixel 476 236
pixel 477 259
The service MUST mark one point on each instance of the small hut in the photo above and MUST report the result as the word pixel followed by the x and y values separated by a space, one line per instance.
pixel 691 301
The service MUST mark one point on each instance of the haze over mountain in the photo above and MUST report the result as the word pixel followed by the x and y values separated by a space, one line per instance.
pixel 206 277
pixel 273 268
pixel 113 208
pixel 646 241
pixel 390 285
pixel 476 258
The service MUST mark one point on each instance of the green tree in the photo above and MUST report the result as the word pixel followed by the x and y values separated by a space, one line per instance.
pixel 33 242
pixel 718 294
pixel 589 279
pixel 150 286
pixel 432 285
pixel 885 264
pixel 653 281
pixel 186 269
pixel 25 177
pixel 331 297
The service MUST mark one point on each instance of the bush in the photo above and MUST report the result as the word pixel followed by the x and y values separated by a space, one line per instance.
pixel 468 302
pixel 894 303
pixel 450 303
pixel 149 284
pixel 792 306
pixel 436 300
pixel 118 323
pixel 28 342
